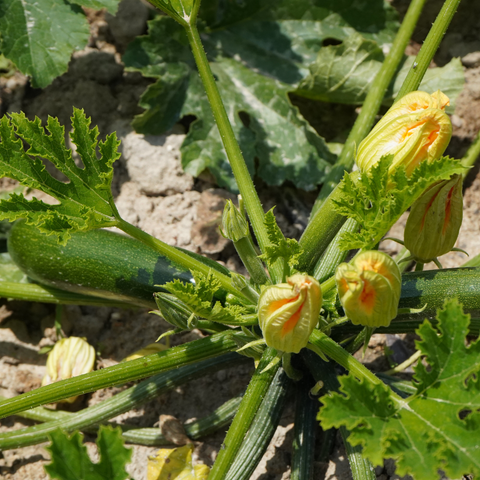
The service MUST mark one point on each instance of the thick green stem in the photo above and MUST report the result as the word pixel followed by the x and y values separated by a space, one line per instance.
pixel 472 154
pixel 175 357
pixel 263 427
pixel 220 417
pixel 235 157
pixel 321 230
pixel 429 48
pixel 333 256
pixel 251 402
pixel 31 292
pixel 179 257
pixel 362 469
pixel 303 447
pixel 120 403
pixel 249 257
pixel 372 103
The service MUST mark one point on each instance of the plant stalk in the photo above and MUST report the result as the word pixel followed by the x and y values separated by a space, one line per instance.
pixel 372 103
pixel 120 403
pixel 362 468
pixel 429 48
pixel 172 358
pixel 257 388
pixel 235 157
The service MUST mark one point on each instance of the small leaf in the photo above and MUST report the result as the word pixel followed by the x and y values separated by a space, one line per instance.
pixel 377 199
pixel 86 201
pixel 175 464
pixel 286 248
pixel 110 5
pixel 39 36
pixel 435 429
pixel 70 460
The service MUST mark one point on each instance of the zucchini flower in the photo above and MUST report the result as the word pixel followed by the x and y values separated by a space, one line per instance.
pixel 68 358
pixel 434 221
pixel 415 129
pixel 369 289
pixel 288 312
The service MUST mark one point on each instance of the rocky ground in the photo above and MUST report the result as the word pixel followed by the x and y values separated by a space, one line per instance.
pixel 185 212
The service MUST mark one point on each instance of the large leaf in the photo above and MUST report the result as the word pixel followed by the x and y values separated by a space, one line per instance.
pixel 70 460
pixel 39 36
pixel 85 201
pixel 343 74
pixel 438 427
pixel 267 126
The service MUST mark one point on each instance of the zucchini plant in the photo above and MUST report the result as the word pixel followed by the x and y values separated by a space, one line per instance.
pixel 302 312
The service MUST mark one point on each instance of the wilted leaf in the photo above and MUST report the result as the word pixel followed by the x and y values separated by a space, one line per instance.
pixel 175 464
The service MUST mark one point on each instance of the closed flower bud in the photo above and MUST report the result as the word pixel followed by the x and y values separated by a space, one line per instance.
pixel 414 130
pixel 69 357
pixel 369 289
pixel 234 225
pixel 288 312
pixel 434 221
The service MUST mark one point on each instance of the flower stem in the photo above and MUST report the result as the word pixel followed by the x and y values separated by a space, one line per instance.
pixel 472 154
pixel 172 358
pixel 120 403
pixel 429 48
pixel 235 157
pixel 372 103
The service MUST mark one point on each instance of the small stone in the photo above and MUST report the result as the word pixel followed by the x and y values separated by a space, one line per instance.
pixel 173 430
pixel 471 60
pixel 456 120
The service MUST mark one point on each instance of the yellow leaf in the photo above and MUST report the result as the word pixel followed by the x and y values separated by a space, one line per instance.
pixel 175 464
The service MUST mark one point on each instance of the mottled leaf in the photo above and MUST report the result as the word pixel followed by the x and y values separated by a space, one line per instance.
pixel 39 36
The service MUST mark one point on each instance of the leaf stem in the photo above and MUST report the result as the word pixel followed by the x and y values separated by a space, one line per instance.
pixel 120 403
pixel 372 103
pixel 179 257
pixel 257 388
pixel 175 357
pixel 362 468
pixel 472 154
pixel 235 157
pixel 407 363
pixel 429 48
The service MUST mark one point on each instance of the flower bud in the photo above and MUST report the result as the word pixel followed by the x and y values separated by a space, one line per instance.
pixel 69 357
pixel 369 289
pixel 288 312
pixel 435 220
pixel 414 130
pixel 234 225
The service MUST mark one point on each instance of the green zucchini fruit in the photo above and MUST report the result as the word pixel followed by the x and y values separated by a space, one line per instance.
pixel 98 262
pixel 433 287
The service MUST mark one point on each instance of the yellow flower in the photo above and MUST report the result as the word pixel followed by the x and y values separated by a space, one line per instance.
pixel 369 289
pixel 435 220
pixel 415 129
pixel 68 358
pixel 288 312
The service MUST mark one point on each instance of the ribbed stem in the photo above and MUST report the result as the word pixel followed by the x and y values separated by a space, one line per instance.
pixel 175 357
pixel 256 391
pixel 362 469
pixel 234 154
pixel 120 403
pixel 262 430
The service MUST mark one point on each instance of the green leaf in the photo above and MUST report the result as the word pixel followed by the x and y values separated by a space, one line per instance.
pixel 70 460
pixel 266 124
pixel 183 11
pixel 110 5
pixel 198 298
pixel 281 247
pixel 343 74
pixel 378 199
pixel 39 36
pixel 435 429
pixel 86 200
